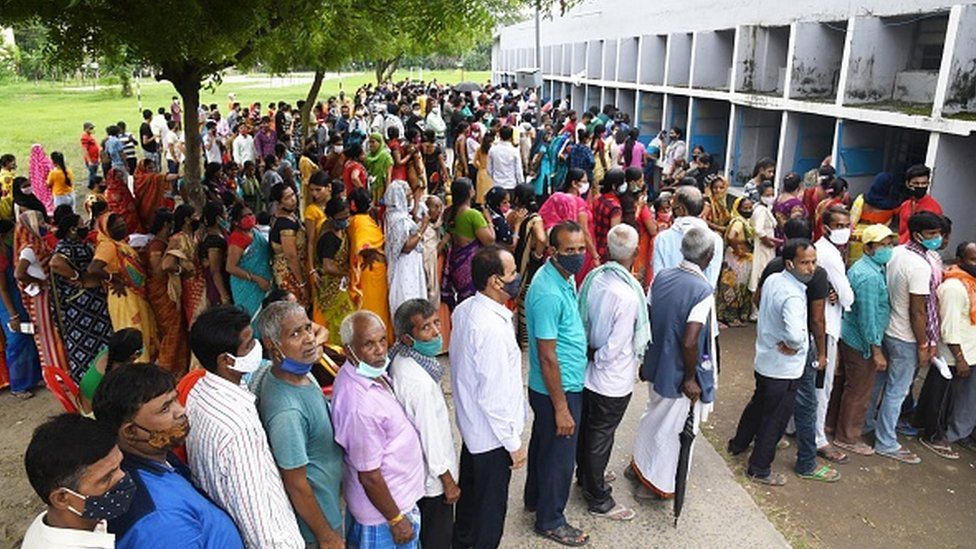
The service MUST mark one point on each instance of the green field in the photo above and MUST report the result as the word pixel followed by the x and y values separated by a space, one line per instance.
pixel 52 114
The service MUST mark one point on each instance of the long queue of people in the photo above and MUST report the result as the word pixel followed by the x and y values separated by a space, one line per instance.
pixel 263 369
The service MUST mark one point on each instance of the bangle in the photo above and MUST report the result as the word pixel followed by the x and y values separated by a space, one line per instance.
pixel 250 278
pixel 77 276
pixel 395 520
pixel 110 275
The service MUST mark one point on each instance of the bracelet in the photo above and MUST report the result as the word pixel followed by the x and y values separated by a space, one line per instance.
pixel 250 278
pixel 396 520
pixel 77 276
pixel 110 275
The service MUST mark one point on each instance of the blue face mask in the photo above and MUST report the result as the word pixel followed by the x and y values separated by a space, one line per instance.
pixel 340 224
pixel 882 255
pixel 295 367
pixel 932 243
pixel 369 371
pixel 571 263
pixel 428 348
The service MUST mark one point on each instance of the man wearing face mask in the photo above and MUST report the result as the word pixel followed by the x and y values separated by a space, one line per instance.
pixel 782 341
pixel 416 375
pixel 297 420
pixel 73 463
pixel 917 181
pixel 862 331
pixel 384 461
pixel 837 233
pixel 557 362
pixel 139 402
pixel 486 377
pixel 686 206
pixel 229 454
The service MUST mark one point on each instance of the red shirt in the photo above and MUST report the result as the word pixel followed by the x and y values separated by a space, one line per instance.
pixel 347 177
pixel 91 147
pixel 912 206
pixel 606 208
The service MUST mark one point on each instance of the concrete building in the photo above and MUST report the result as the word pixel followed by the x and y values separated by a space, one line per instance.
pixel 877 84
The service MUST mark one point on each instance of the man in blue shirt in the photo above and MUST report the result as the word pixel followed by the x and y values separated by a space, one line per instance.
pixel 782 341
pixel 557 362
pixel 139 402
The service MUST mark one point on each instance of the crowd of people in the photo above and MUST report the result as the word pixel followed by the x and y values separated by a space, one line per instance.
pixel 260 367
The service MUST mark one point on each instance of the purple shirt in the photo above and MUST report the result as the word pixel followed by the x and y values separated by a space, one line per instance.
pixel 265 143
pixel 376 434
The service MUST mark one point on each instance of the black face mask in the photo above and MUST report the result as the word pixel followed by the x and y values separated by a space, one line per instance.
pixel 82 233
pixel 918 192
pixel 195 225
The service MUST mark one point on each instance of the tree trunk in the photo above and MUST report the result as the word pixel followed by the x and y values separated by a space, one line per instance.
pixel 386 67
pixel 380 70
pixel 313 93
pixel 187 85
pixel 126 83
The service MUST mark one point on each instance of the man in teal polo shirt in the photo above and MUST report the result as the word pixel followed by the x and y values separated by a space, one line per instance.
pixel 557 361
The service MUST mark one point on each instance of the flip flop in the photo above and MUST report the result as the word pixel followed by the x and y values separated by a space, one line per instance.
pixel 902 455
pixel 825 473
pixel 618 513
pixel 565 535
pixel 858 448
pixel 942 449
pixel 832 455
pixel 773 479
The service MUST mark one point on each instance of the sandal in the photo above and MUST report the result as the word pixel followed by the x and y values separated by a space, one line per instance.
pixel 773 479
pixel 609 476
pixel 22 395
pixel 822 474
pixel 832 455
pixel 858 448
pixel 618 513
pixel 942 448
pixel 565 535
pixel 902 455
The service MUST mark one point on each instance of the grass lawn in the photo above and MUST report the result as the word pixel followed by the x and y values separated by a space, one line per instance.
pixel 52 113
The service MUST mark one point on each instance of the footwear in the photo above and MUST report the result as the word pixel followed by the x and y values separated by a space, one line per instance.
pixel 565 535
pixel 773 479
pixel 903 455
pixel 905 429
pixel 22 395
pixel 629 473
pixel 941 448
pixel 832 455
pixel 618 513
pixel 825 473
pixel 859 448
pixel 782 444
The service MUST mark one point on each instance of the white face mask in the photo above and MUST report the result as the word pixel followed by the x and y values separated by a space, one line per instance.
pixel 768 200
pixel 584 187
pixel 250 362
pixel 840 236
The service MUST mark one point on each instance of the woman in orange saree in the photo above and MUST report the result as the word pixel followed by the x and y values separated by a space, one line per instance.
pixel 174 350
pixel 121 202
pixel 367 265
pixel 187 284
pixel 150 191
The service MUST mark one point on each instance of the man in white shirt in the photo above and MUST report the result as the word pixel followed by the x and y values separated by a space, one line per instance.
pixel 417 376
pixel 958 344
pixel 173 149
pixel 211 143
pixel 837 232
pixel 618 332
pixel 228 449
pixel 74 465
pixel 505 161
pixel 244 146
pixel 489 398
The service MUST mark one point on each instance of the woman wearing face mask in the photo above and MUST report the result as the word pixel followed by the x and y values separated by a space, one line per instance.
pixel 288 245
pixel 608 211
pixel 718 205
pixel 734 301
pixel 404 255
pixel 499 208
pixel 117 264
pixel 213 253
pixel 332 301
pixel 248 260
pixel 836 193
pixel 189 287
pixel 764 226
pixel 79 305
pixel 174 354
pixel 569 205
pixel 553 168
pixel 32 251
pixel 469 230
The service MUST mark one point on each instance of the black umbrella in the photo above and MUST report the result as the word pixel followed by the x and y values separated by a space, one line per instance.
pixel 468 87
pixel 687 436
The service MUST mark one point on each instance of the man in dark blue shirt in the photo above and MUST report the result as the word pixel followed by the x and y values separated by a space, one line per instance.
pixel 139 401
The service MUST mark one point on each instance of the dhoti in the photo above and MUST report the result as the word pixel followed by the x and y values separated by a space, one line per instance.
pixel 657 445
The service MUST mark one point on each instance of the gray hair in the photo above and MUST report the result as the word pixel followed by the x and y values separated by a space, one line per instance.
pixel 691 198
pixel 622 242
pixel 403 318
pixel 269 321
pixel 698 245
pixel 346 332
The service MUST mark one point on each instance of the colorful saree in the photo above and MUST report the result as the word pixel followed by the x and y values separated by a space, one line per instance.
pixel 28 235
pixel 368 283
pixel 40 167
pixel 456 282
pixel 255 259
pixel 174 349
pixel 331 296
pixel 150 191
pixel 189 288
pixel 22 363
pixel 120 200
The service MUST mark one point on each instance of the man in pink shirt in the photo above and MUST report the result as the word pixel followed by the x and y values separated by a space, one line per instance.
pixel 384 462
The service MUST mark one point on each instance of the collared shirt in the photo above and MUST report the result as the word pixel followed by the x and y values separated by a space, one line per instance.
pixel 612 309
pixel 486 375
pixel 377 434
pixel 167 511
pixel 296 418
pixel 231 461
pixel 505 165
pixel 42 536
pixel 782 318
pixel 907 273
pixel 667 247
pixel 264 143
pixel 552 313
pixel 828 257
pixel 956 326
pixel 423 400
pixel 864 324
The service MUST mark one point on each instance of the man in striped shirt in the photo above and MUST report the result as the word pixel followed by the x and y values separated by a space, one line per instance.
pixel 227 448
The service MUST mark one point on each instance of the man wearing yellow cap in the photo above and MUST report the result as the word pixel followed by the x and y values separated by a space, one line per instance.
pixel 862 330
